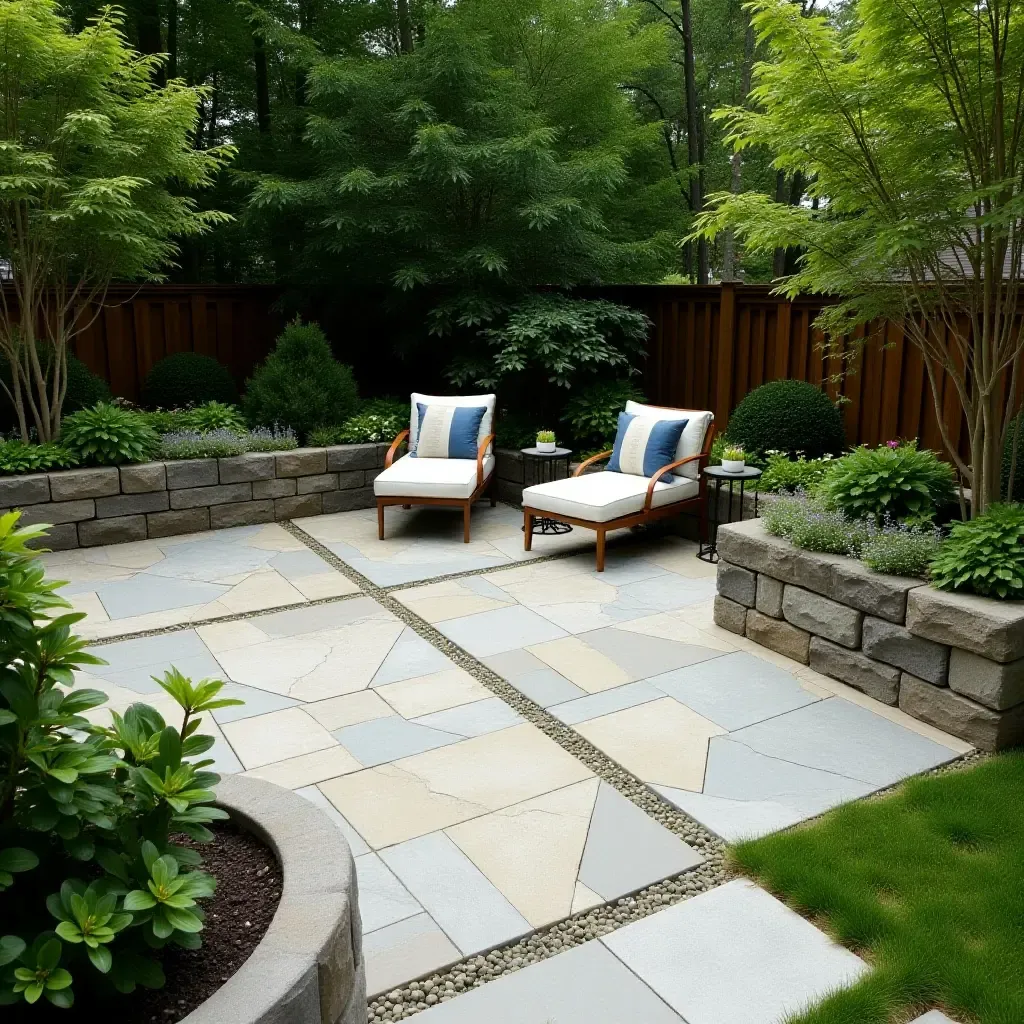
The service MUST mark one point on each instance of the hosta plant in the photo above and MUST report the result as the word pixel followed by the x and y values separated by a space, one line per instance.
pixel 894 481
pixel 984 556
pixel 92 887
pixel 108 435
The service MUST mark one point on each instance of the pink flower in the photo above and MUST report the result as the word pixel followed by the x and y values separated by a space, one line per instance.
pixel 892 444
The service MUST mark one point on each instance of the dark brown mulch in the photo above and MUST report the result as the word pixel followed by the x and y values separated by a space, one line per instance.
pixel 238 915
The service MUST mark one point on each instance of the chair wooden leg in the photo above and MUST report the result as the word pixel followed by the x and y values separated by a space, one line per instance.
pixel 527 531
pixel 380 521
pixel 466 510
pixel 600 550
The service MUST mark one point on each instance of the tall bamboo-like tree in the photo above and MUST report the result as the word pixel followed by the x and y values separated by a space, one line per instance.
pixel 90 148
pixel 907 124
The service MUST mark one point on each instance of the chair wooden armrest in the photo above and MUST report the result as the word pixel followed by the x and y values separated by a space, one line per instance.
pixel 390 457
pixel 668 469
pixel 593 458
pixel 480 453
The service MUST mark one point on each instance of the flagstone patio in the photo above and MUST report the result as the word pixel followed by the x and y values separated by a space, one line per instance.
pixel 470 825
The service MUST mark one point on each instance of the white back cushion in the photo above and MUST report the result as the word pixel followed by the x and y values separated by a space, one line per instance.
pixel 486 424
pixel 692 440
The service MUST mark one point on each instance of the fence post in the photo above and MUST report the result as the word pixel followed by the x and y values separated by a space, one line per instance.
pixel 726 348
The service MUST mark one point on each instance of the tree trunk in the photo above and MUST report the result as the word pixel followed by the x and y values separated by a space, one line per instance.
pixel 779 256
pixel 305 28
pixel 172 38
pixel 259 57
pixel 694 144
pixel 729 271
pixel 404 27
pixel 147 25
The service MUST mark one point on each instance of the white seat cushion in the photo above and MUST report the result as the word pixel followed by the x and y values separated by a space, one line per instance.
pixel 409 477
pixel 600 497
pixel 692 440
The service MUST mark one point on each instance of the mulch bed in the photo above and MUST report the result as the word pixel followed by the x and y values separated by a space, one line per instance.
pixel 249 883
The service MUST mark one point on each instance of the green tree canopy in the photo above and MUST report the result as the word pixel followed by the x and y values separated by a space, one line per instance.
pixel 93 161
pixel 908 122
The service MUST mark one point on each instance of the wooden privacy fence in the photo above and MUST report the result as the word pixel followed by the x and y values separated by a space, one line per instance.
pixel 710 346
pixel 139 325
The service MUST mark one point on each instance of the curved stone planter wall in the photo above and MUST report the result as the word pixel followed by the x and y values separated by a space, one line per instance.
pixel 308 968
pixel 955 661
pixel 115 504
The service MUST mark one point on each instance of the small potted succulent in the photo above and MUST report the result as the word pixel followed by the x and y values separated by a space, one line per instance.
pixel 733 458
pixel 545 441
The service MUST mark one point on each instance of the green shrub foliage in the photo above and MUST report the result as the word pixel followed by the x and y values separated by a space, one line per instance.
pixel 783 474
pixel 85 388
pixel 107 435
pixel 92 887
pixel 187 378
pixel 895 481
pixel 592 412
pixel 984 556
pixel 900 551
pixel 790 416
pixel 301 385
pixel 18 457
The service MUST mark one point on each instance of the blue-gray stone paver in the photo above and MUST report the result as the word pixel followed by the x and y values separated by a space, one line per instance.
pixel 499 630
pixel 584 985
pixel 387 739
pixel 355 841
pixel 310 618
pixel 383 899
pixel 734 955
pixel 735 690
pixel 664 593
pixel 148 650
pixel 411 657
pixel 146 592
pixel 528 674
pixel 451 888
pixel 293 565
pixel 140 678
pixel 626 850
pixel 474 719
pixel 257 702
pixel 835 735
pixel 593 705
pixel 644 656
pixel 747 795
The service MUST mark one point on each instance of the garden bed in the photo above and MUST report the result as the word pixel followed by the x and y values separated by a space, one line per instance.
pixel 953 660
pixel 114 504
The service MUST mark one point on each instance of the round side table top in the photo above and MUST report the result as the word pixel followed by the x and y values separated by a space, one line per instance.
pixel 747 473
pixel 558 453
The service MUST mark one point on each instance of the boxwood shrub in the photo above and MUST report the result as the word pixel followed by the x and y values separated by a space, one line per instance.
pixel 789 416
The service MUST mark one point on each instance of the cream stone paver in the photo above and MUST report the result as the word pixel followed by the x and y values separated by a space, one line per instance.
pixel 435 692
pixel 257 592
pixel 562 590
pixel 144 623
pixel 584 899
pixel 324 584
pixel 580 664
pixel 674 626
pixel 430 791
pixel 349 709
pixel 273 537
pixel 437 602
pixel 276 736
pixel 657 741
pixel 308 769
pixel 229 636
pixel 549 833
pixel 90 604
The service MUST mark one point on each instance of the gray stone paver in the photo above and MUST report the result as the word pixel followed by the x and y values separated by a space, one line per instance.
pixel 764 744
pixel 734 955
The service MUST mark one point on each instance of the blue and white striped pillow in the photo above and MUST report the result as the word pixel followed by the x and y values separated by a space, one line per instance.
pixel 448 431
pixel 643 444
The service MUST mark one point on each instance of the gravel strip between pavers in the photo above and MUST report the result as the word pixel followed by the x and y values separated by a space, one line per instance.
pixel 478 969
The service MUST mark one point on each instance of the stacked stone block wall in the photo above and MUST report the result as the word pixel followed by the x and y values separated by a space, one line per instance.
pixel 955 661
pixel 114 504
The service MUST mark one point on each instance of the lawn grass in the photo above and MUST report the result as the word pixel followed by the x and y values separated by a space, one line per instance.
pixel 927 884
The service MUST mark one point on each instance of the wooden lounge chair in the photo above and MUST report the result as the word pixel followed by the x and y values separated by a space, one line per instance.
pixel 604 501
pixel 453 482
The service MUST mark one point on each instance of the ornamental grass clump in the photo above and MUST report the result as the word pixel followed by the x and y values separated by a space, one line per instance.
pixel 984 556
pixel 92 887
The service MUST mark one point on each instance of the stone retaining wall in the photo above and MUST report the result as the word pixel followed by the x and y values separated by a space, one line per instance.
pixel 113 504
pixel 955 661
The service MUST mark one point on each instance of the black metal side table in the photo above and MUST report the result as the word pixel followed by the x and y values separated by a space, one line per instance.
pixel 546 463
pixel 718 476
